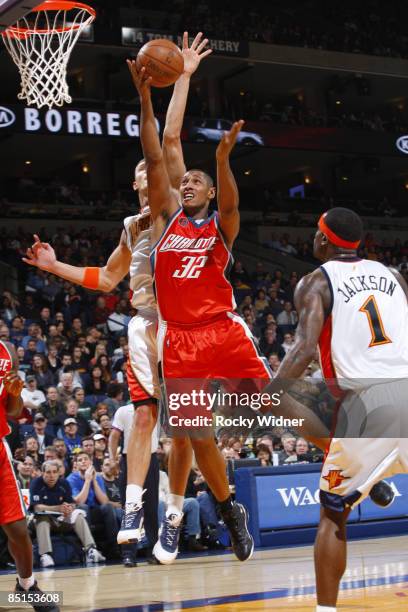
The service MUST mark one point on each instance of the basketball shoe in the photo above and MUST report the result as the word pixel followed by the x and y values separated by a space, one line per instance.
pixel 131 528
pixel 166 548
pixel 37 593
pixel 236 521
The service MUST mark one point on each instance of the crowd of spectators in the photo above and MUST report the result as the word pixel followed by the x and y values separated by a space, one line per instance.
pixel 369 27
pixel 72 351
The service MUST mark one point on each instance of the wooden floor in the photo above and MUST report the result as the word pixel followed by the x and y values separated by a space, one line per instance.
pixel 280 579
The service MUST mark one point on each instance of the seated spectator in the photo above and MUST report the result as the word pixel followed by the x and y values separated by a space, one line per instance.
pixel 117 321
pixel 100 409
pixel 269 343
pixel 43 375
pixel 261 303
pixel 70 436
pixel 84 407
pixel 274 363
pixel 79 361
pixel 104 364
pixel 288 455
pixel 105 426
pixel 88 490
pixel 34 333
pixel 200 490
pixel 263 453
pixel 52 406
pixel 94 383
pixel 287 319
pixel 39 431
pixel 115 397
pixel 32 397
pixel 51 493
pixel 25 471
pixel 54 362
pixel 302 449
pixel 17 331
pixel 50 453
pixel 62 452
pixel 66 387
pixel 71 411
pixel 31 447
pixel 101 446
pixel 288 340
pixel 66 366
pixel 88 446
pixel 112 487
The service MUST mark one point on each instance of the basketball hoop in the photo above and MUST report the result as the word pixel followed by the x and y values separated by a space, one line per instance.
pixel 41 43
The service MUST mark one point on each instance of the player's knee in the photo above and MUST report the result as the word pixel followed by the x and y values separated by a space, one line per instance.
pixel 17 532
pixel 144 419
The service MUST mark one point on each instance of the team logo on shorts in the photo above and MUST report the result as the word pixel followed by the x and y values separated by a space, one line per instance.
pixel 334 478
pixel 183 222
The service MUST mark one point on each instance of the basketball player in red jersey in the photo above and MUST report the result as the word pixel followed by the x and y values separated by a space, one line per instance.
pixel 200 336
pixel 12 508
pixel 356 312
pixel 132 254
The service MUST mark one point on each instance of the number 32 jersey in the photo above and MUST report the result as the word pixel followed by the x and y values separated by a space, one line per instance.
pixel 190 263
pixel 366 334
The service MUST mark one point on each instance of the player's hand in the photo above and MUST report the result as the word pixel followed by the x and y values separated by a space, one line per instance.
pixel 40 255
pixel 141 80
pixel 228 141
pixel 13 384
pixel 194 54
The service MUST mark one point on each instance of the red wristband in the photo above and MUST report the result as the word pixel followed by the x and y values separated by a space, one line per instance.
pixel 91 278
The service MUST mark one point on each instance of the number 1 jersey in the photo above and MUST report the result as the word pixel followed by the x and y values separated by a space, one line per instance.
pixel 190 263
pixel 366 334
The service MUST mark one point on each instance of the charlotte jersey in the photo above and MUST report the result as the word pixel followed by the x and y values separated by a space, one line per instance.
pixel 138 233
pixel 365 336
pixel 6 365
pixel 190 263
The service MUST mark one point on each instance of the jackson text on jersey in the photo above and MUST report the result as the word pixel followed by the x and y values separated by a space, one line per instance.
pixel 190 263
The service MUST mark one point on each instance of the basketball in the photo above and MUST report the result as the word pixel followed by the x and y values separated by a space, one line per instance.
pixel 163 61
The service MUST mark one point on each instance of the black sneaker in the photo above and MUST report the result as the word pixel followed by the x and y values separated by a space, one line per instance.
pixel 236 521
pixel 382 494
pixel 131 528
pixel 35 589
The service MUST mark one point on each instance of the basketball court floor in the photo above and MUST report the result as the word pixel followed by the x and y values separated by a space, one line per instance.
pixel 274 579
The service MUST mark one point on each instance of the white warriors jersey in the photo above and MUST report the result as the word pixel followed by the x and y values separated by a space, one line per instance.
pixel 365 335
pixel 138 240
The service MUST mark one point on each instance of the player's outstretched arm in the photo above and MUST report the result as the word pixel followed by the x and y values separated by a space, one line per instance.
pixel 13 385
pixel 172 150
pixel 42 255
pixel 162 201
pixel 228 196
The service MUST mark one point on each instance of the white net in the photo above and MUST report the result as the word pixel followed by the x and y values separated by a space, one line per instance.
pixel 40 44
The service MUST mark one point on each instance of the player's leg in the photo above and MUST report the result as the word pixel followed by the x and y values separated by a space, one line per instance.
pixel 143 386
pixel 180 460
pixel 14 524
pixel 330 555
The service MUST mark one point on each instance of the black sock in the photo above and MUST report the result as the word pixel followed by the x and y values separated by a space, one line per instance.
pixel 226 505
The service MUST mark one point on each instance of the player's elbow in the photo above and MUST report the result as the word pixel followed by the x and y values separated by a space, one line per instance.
pixel 153 158
pixel 306 353
pixel 170 138
pixel 106 283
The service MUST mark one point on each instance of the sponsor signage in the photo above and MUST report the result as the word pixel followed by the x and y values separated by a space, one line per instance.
pixel 70 122
pixel 136 37
pixel 292 500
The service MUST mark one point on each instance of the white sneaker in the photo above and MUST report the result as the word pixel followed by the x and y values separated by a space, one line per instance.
pixel 94 556
pixel 46 560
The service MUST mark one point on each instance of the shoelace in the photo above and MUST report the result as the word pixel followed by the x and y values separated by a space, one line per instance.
pixel 170 531
pixel 130 511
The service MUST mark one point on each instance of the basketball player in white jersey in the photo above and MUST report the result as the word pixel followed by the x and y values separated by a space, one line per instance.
pixel 132 254
pixel 356 312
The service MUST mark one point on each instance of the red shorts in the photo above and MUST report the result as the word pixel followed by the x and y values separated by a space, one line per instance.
pixel 222 349
pixel 12 507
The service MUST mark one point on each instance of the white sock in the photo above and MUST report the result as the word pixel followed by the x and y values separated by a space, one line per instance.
pixel 134 494
pixel 26 583
pixel 325 609
pixel 175 504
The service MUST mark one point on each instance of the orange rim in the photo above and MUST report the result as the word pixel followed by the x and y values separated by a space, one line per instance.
pixel 50 5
